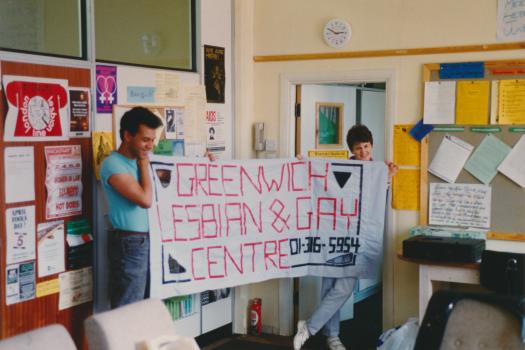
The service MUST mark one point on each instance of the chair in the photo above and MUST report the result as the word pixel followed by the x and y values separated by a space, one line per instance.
pixel 455 320
pixel 46 338
pixel 127 327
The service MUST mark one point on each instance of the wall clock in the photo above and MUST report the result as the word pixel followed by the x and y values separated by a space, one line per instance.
pixel 337 33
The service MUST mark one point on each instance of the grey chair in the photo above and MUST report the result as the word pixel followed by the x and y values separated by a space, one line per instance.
pixel 127 327
pixel 455 320
pixel 51 337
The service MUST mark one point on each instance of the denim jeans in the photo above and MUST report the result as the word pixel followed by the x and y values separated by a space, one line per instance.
pixel 129 263
pixel 334 293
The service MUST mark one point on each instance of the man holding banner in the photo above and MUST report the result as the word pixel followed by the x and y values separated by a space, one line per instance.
pixel 336 291
pixel 127 184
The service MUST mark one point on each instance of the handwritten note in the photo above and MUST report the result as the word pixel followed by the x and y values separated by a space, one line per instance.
pixel 484 162
pixel 511 20
pixel 472 104
pixel 406 148
pixel 440 102
pixel 450 158
pixel 463 205
pixel 511 101
pixel 141 94
pixel 513 166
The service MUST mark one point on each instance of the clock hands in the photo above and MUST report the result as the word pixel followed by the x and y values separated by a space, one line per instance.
pixel 333 31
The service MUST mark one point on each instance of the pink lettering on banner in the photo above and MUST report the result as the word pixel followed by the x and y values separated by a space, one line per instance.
pixel 301 202
pixel 332 211
pixel 294 172
pixel 349 215
pixel 221 261
pixel 233 222
pixel 312 176
pixel 279 223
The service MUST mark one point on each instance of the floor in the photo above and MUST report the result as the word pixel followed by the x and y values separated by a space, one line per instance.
pixel 360 333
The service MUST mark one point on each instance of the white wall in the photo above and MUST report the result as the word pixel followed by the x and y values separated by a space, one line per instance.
pixel 295 26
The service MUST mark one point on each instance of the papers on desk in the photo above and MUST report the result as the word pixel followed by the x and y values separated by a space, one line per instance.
pixel 513 166
pixel 450 158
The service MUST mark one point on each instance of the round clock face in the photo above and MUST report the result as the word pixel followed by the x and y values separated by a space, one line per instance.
pixel 336 33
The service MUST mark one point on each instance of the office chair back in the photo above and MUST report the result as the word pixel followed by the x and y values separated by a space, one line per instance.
pixel 51 337
pixel 455 320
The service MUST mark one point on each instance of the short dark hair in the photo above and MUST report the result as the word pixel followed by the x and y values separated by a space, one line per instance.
pixel 357 134
pixel 135 117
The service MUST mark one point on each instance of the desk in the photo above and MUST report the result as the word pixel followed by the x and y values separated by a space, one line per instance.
pixel 430 271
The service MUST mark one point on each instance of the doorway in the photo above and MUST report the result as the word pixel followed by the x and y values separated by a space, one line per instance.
pixel 324 87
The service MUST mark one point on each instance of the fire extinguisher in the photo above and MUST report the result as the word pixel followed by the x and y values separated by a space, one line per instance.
pixel 255 316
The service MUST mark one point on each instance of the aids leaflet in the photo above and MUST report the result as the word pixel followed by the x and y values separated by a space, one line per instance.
pixel 225 223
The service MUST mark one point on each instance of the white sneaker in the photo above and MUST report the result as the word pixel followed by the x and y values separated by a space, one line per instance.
pixel 334 343
pixel 302 335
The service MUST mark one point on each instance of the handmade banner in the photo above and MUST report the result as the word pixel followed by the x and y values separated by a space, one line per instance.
pixel 222 224
pixel 38 109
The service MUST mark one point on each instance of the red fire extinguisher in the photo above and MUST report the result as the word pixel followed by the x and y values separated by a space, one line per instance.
pixel 255 316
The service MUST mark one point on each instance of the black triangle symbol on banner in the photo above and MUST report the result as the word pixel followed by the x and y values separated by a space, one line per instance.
pixel 342 177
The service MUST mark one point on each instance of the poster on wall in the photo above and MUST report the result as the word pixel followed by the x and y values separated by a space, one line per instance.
pixel 215 141
pixel 63 181
pixel 174 117
pixel 102 147
pixel 20 282
pixel 214 74
pixel 19 171
pixel 106 88
pixel 80 112
pixel 50 248
pixel 38 109
pixel 20 234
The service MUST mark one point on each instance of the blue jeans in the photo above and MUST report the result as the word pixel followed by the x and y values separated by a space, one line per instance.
pixel 334 293
pixel 129 263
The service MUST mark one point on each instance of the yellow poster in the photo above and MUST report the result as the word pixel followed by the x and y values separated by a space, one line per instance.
pixel 511 101
pixel 405 192
pixel 406 149
pixel 338 154
pixel 47 288
pixel 102 147
pixel 472 102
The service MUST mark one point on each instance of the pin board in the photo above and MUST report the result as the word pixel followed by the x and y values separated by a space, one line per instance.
pixel 507 197
pixel 40 301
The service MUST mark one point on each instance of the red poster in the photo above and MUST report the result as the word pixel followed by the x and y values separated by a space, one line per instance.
pixel 38 109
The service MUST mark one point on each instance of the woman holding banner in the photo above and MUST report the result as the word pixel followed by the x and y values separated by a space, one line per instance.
pixel 336 291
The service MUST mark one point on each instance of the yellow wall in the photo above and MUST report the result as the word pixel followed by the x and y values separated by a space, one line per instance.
pixel 295 26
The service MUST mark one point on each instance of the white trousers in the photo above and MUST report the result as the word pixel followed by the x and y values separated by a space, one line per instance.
pixel 334 293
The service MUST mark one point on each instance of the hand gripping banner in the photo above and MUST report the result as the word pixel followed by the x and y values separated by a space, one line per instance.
pixel 226 223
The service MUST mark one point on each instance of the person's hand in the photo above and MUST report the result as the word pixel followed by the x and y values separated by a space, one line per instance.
pixel 210 156
pixel 299 157
pixel 143 162
pixel 392 169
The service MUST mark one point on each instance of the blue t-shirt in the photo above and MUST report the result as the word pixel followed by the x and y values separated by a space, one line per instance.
pixel 123 214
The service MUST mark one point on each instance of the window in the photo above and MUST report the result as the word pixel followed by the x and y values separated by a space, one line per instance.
pixel 51 27
pixel 147 33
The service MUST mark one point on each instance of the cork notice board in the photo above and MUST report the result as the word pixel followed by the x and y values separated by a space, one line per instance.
pixel 507 219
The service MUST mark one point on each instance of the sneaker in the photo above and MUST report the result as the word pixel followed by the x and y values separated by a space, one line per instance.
pixel 302 335
pixel 334 343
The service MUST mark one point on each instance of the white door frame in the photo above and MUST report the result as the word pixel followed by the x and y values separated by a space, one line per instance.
pixel 286 149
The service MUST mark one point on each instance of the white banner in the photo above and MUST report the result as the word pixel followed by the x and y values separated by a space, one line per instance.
pixel 222 224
